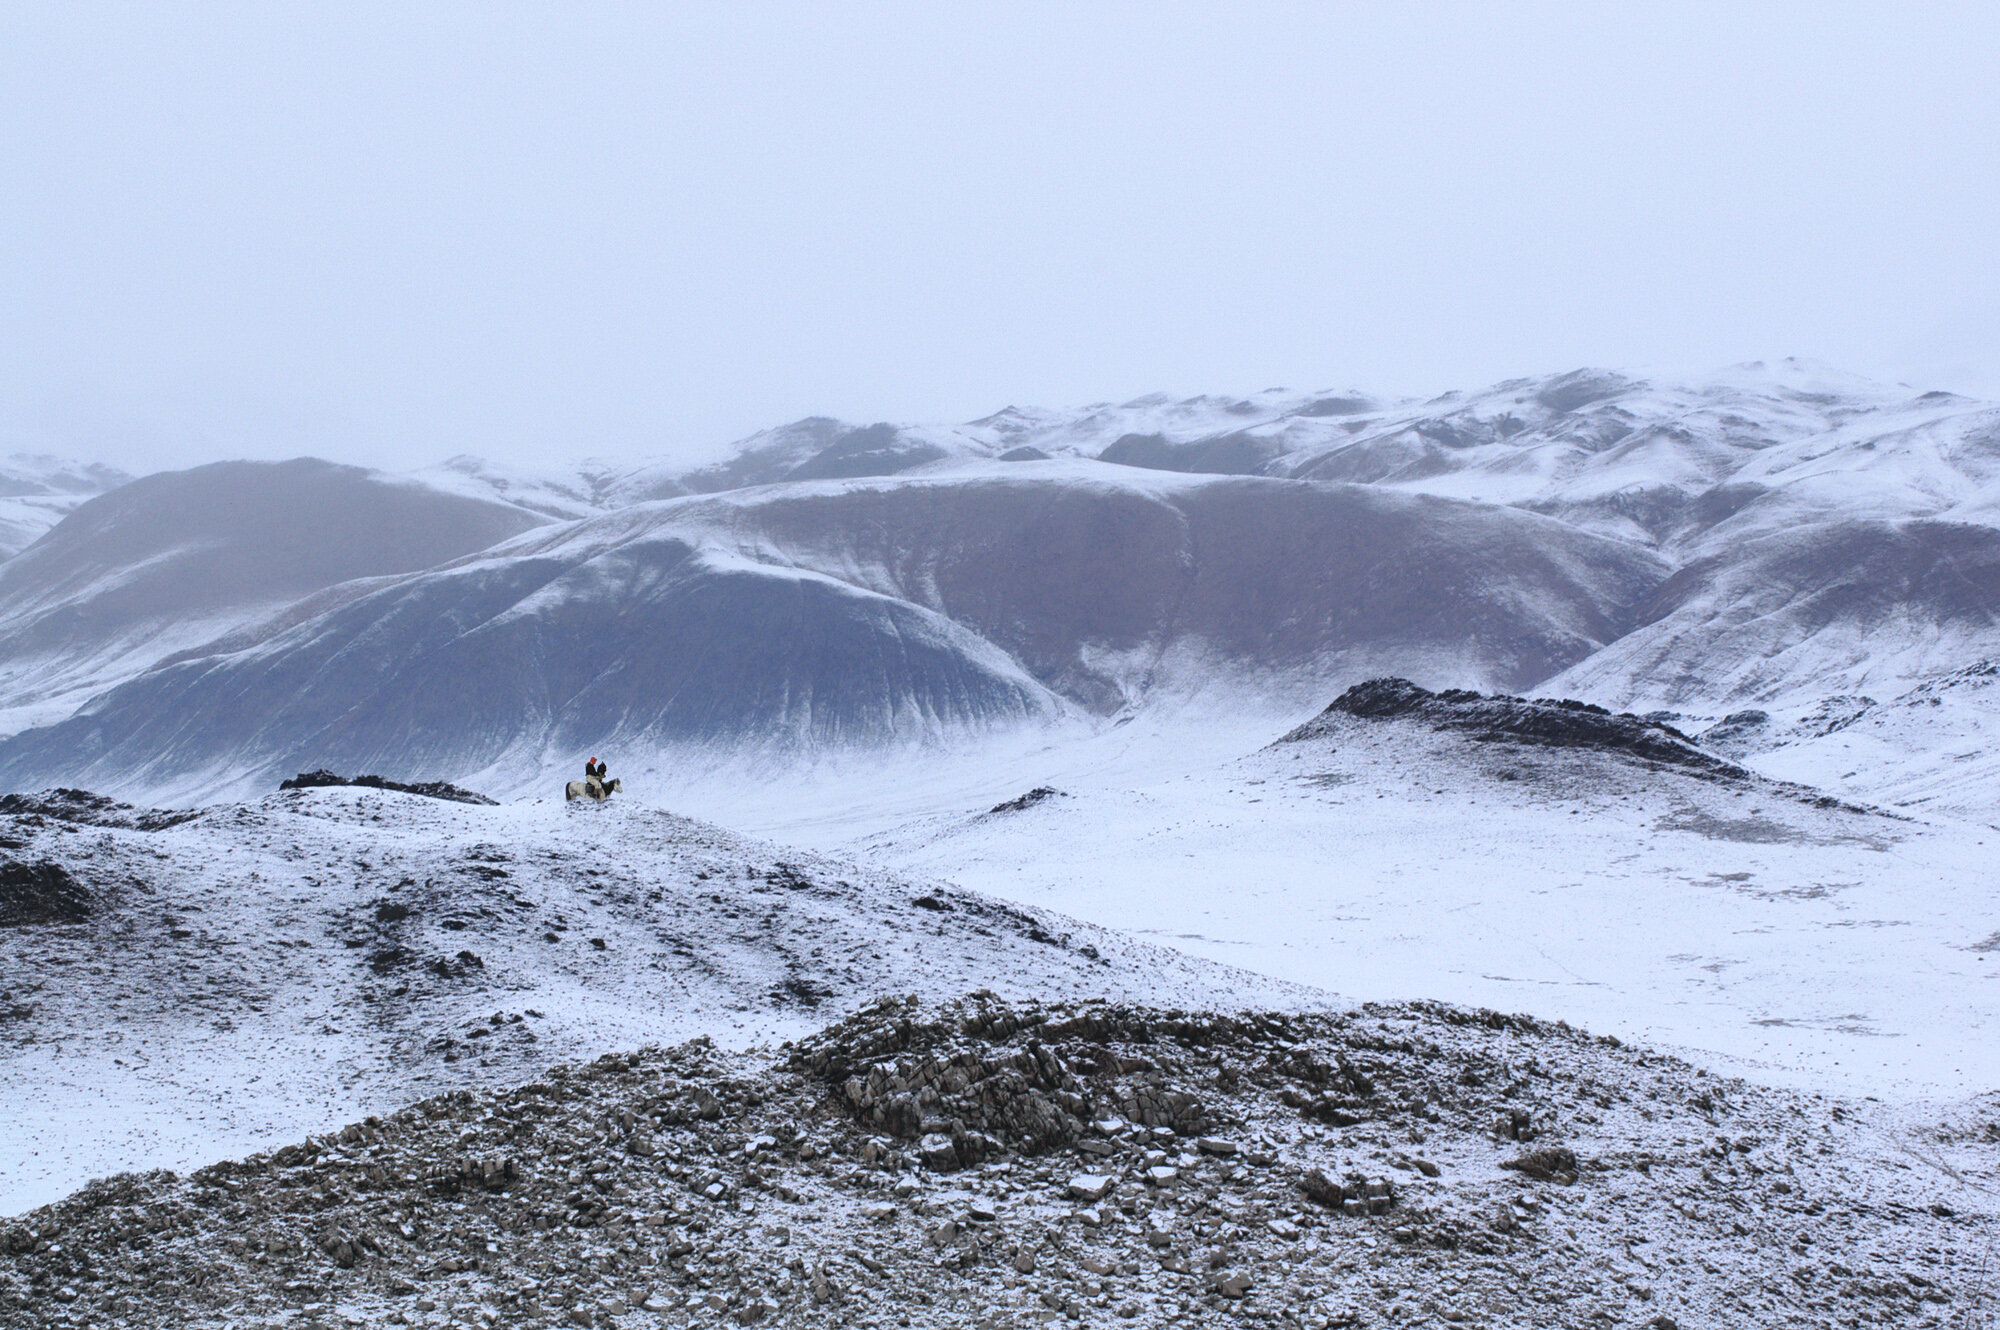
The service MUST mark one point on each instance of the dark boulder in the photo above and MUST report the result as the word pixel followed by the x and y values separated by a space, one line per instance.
pixel 41 893
pixel 1022 803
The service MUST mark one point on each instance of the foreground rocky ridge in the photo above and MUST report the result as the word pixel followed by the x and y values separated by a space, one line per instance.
pixel 994 1164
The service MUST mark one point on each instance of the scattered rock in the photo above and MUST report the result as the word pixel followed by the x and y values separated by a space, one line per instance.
pixel 1563 724
pixel 41 893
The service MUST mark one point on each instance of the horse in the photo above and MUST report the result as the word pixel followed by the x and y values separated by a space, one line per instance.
pixel 583 789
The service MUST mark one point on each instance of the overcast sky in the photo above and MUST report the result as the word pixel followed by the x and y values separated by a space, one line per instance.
pixel 393 233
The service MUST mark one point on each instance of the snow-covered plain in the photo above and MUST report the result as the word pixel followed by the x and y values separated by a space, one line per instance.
pixel 1826 947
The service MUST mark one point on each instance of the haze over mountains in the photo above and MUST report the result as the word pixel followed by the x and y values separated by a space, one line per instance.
pixel 1763 538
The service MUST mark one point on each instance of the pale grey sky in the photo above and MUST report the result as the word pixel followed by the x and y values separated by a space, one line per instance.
pixel 393 232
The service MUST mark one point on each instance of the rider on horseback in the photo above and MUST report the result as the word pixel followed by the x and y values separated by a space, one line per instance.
pixel 593 776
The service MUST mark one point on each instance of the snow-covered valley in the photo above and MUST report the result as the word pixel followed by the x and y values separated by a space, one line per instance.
pixel 1038 705
pixel 1382 859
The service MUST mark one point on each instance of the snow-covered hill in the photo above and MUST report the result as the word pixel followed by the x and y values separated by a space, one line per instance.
pixel 798 619
pixel 1933 751
pixel 1793 612
pixel 175 560
pixel 1762 537
pixel 1097 1162
pixel 180 987
pixel 37 491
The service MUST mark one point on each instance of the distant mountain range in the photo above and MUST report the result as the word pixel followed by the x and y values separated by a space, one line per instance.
pixel 1762 538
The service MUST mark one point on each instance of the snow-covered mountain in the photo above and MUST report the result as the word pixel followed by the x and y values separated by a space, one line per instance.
pixel 1031 663
pixel 813 616
pixel 1761 537
pixel 178 559
pixel 37 491
pixel 1654 460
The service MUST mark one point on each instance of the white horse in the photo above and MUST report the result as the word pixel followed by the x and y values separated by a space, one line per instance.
pixel 583 789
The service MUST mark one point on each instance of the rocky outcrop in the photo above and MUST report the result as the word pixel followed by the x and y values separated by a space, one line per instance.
pixel 1555 724
pixel 83 808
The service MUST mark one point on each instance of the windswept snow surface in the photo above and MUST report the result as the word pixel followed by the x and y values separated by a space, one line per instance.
pixel 263 970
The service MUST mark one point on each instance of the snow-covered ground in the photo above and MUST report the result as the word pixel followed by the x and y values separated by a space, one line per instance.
pixel 1056 601
pixel 278 967
pixel 1823 947
pixel 1932 752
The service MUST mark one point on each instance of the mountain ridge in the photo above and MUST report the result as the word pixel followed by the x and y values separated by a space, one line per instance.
pixel 860 613
pixel 1766 536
